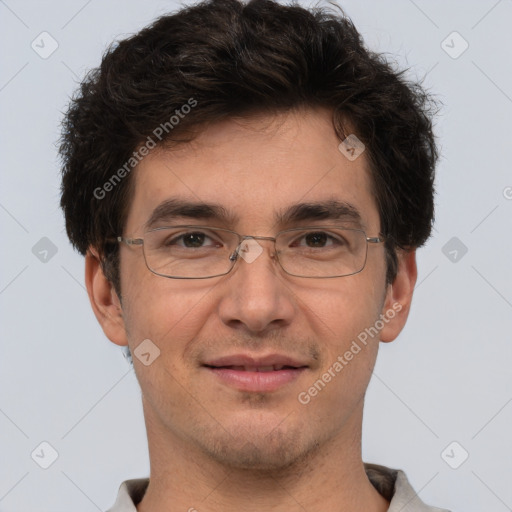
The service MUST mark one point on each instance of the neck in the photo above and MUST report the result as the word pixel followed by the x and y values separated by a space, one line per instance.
pixel 183 478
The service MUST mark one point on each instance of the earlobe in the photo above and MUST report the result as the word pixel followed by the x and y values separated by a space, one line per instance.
pixel 104 300
pixel 399 294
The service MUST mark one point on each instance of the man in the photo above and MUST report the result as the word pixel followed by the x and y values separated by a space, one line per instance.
pixel 248 185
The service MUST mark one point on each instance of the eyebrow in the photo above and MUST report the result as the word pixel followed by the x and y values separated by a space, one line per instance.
pixel 321 210
pixel 173 209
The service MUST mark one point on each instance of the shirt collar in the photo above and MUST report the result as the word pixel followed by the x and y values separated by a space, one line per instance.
pixel 390 483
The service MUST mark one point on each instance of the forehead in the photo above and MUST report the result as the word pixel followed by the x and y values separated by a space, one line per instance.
pixel 256 170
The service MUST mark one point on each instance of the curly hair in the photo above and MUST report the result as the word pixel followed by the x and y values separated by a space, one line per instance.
pixel 227 58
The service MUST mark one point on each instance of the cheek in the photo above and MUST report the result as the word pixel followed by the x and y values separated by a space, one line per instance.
pixel 171 319
pixel 342 318
pixel 165 311
pixel 339 312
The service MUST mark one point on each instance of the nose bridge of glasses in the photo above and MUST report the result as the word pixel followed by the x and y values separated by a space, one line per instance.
pixel 249 248
pixel 254 237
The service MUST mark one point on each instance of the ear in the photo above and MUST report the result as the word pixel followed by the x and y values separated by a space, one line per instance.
pixel 398 298
pixel 104 300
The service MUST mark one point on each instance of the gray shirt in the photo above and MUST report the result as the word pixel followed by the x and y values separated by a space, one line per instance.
pixel 391 483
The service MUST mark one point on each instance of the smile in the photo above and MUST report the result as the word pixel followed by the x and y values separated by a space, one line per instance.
pixel 256 380
pixel 271 368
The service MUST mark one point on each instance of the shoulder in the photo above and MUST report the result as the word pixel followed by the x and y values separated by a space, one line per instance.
pixel 130 493
pixel 394 485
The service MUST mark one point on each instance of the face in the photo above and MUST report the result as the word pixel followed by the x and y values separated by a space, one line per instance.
pixel 202 391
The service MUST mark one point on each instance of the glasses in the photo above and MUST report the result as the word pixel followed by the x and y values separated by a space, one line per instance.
pixel 200 252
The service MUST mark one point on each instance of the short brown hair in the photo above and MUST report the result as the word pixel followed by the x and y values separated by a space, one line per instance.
pixel 233 59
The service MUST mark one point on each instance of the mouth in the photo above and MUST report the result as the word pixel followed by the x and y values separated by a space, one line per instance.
pixel 249 374
pixel 271 368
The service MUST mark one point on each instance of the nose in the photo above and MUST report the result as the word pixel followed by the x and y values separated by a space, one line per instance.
pixel 255 296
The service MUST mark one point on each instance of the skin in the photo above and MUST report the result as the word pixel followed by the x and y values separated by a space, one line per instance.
pixel 212 447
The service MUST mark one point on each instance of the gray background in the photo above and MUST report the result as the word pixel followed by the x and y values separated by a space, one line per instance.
pixel 447 378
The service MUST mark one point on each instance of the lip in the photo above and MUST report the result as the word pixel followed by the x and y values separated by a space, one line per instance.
pixel 248 360
pixel 256 382
pixel 228 370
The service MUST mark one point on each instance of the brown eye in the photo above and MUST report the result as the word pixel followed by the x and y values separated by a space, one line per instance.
pixel 316 239
pixel 193 239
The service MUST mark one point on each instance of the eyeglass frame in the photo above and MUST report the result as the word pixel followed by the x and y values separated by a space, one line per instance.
pixel 133 242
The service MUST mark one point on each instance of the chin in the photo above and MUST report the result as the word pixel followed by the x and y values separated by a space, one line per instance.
pixel 260 449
